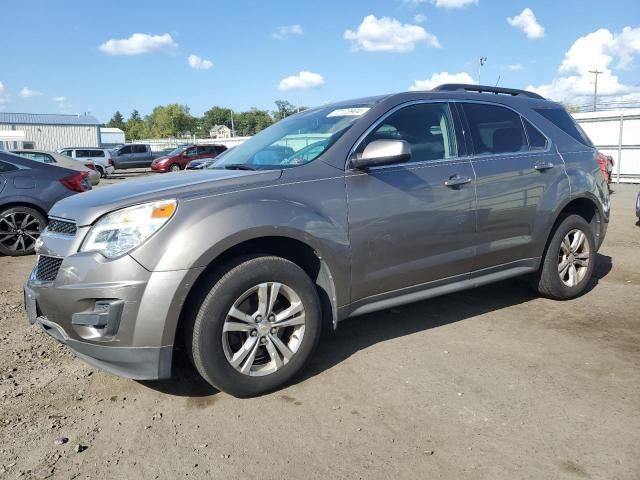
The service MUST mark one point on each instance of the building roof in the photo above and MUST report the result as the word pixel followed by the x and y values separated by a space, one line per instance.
pixel 110 130
pixel 216 128
pixel 46 119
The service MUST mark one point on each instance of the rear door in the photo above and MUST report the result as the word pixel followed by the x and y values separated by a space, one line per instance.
pixel 412 223
pixel 514 168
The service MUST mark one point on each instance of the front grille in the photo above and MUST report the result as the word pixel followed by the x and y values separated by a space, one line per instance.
pixel 62 227
pixel 47 269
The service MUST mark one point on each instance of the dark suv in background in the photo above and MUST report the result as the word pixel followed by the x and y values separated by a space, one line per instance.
pixel 336 211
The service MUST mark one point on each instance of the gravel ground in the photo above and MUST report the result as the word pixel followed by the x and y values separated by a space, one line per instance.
pixel 491 383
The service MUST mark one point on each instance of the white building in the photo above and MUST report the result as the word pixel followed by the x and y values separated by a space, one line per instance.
pixel 47 131
pixel 111 137
pixel 616 133
pixel 220 131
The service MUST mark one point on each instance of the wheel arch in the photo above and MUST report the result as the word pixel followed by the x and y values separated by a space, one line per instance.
pixel 293 249
pixel 22 203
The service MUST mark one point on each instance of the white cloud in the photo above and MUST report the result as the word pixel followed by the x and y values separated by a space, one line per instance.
pixel 198 63
pixel 139 43
pixel 287 31
pixel 388 35
pixel 302 80
pixel 2 89
pixel 3 99
pixel 59 99
pixel 600 50
pixel 440 78
pixel 26 92
pixel 453 3
pixel 420 18
pixel 515 67
pixel 528 23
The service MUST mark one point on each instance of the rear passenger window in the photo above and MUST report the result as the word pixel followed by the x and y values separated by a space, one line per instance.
pixel 565 122
pixel 426 127
pixel 97 153
pixel 7 167
pixel 495 129
pixel 537 141
pixel 139 149
pixel 83 153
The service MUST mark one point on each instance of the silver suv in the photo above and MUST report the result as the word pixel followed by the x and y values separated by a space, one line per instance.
pixel 334 212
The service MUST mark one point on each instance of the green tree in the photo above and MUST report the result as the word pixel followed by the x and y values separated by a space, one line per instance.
pixel 284 108
pixel 173 120
pixel 117 121
pixel 135 128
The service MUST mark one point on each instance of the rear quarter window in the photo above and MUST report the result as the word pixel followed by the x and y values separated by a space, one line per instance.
pixel 565 122
pixel 537 140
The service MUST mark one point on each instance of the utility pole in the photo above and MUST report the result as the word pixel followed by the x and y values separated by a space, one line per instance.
pixel 481 63
pixel 595 88
pixel 233 130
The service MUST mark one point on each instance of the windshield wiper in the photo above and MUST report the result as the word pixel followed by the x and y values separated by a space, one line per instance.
pixel 238 166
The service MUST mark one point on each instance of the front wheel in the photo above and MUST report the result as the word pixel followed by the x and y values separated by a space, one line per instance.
pixel 257 327
pixel 174 167
pixel 569 260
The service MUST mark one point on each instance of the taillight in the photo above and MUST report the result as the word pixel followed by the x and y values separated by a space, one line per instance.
pixel 602 159
pixel 76 182
pixel 90 165
pixel 111 163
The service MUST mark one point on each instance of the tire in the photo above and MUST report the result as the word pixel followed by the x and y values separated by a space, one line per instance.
pixel 212 349
pixel 101 171
pixel 174 167
pixel 563 274
pixel 20 227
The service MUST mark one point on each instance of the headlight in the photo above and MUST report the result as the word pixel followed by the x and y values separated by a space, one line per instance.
pixel 123 230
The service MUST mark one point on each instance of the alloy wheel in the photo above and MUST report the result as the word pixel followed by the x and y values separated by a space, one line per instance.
pixel 19 231
pixel 263 329
pixel 574 257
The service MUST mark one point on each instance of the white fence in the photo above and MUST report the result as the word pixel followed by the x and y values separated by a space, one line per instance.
pixel 616 133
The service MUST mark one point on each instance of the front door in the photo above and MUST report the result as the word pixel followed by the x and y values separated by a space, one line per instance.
pixel 414 222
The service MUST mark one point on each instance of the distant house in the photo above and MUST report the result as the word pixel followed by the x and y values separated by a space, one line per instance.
pixel 111 137
pixel 220 131
pixel 48 131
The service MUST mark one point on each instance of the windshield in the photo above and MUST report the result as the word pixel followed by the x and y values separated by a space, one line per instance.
pixel 296 140
pixel 172 153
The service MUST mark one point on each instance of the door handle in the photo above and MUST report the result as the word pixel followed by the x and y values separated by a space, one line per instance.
pixel 541 166
pixel 456 181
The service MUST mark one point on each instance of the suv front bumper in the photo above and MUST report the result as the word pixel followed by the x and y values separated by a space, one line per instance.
pixel 114 314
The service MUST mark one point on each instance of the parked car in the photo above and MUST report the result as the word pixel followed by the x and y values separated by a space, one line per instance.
pixel 178 159
pixel 133 156
pixel 204 163
pixel 101 157
pixel 414 195
pixel 28 190
pixel 62 161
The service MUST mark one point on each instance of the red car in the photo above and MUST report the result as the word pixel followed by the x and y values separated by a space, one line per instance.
pixel 178 159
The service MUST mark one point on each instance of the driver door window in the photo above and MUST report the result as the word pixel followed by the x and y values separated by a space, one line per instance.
pixel 427 127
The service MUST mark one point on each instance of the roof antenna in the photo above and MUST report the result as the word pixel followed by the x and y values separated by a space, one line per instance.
pixel 498 81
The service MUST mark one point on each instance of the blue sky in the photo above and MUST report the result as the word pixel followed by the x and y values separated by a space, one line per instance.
pixel 52 49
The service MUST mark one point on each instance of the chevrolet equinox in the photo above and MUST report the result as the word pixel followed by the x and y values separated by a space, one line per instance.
pixel 336 211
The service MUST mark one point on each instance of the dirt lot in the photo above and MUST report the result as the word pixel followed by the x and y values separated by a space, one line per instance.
pixel 492 383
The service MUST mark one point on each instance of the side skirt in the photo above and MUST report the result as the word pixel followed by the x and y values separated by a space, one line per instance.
pixel 436 288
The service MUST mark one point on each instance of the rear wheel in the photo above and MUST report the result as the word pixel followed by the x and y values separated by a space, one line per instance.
pixel 20 227
pixel 101 171
pixel 174 167
pixel 256 327
pixel 569 260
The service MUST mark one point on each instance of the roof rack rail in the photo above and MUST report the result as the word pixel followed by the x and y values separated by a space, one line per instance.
pixel 451 87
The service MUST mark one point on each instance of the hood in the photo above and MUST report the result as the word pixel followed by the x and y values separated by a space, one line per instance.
pixel 85 208
pixel 161 159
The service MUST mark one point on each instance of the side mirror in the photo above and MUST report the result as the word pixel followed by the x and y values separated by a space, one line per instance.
pixel 382 152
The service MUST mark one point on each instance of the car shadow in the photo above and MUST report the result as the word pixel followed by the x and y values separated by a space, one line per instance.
pixel 358 333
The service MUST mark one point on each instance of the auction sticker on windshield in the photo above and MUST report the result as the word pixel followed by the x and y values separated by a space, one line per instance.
pixel 349 112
